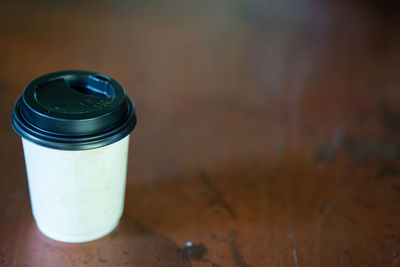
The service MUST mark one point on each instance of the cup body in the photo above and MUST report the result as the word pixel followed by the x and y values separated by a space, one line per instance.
pixel 75 127
pixel 77 196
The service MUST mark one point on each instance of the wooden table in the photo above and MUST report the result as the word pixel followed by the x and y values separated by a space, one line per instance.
pixel 268 133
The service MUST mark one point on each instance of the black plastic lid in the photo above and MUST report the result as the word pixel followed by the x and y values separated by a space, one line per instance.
pixel 74 110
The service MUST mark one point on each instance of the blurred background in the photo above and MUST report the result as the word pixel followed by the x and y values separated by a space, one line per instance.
pixel 268 131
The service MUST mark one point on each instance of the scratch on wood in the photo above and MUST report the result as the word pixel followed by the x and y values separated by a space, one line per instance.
pixel 350 218
pixel 194 252
pixel 326 154
pixel 364 148
pixel 113 234
pixel 218 197
pixel 101 260
pixel 17 245
pixel 238 259
pixel 388 171
pixel 294 250
pixel 291 232
pixel 16 253
pixel 396 188
pixel 349 257
pixel 325 209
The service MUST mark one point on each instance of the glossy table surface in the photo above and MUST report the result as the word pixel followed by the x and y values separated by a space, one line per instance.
pixel 268 131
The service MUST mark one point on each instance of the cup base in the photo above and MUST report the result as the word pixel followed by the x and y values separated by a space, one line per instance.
pixel 77 238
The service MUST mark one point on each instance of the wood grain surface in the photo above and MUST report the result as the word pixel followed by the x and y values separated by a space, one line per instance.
pixel 268 131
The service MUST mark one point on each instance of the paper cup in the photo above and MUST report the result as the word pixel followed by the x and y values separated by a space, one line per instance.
pixel 75 130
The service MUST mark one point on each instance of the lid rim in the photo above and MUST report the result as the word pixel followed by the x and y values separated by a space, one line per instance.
pixel 107 127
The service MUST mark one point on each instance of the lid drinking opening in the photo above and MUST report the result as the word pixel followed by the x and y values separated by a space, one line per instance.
pixel 93 86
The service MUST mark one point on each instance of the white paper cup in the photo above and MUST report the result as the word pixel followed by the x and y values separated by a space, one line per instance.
pixel 77 196
pixel 76 181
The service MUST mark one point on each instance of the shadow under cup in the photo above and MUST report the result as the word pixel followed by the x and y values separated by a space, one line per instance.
pixel 75 129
